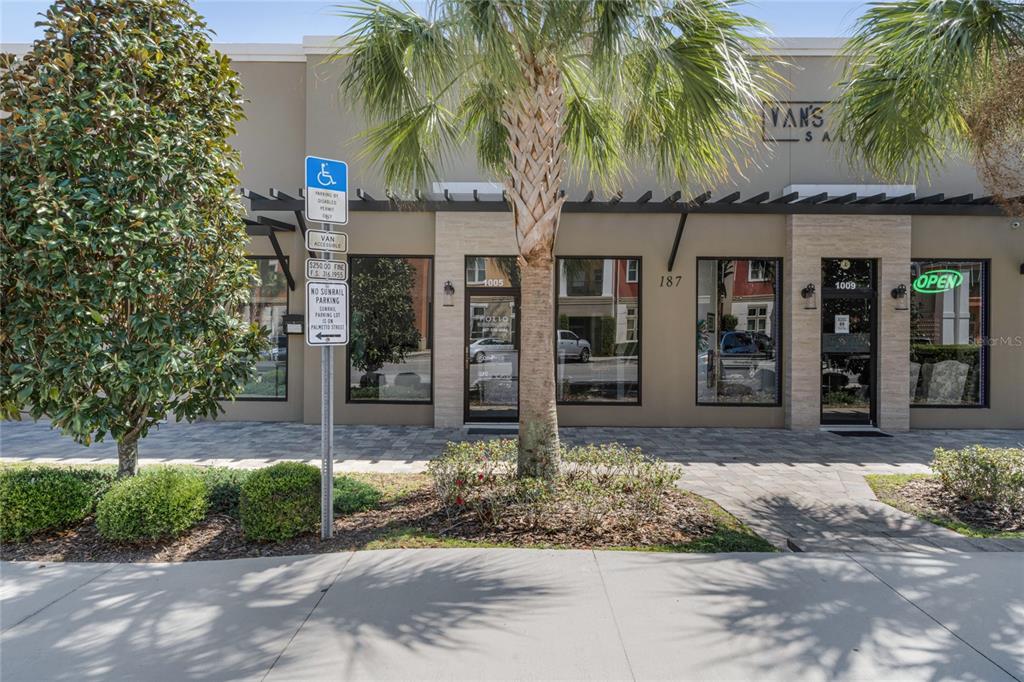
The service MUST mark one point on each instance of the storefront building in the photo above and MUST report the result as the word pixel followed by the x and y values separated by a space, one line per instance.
pixel 801 295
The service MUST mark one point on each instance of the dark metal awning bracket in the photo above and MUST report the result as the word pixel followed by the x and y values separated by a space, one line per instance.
pixel 675 242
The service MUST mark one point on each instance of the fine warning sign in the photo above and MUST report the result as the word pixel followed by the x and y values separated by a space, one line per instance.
pixel 326 313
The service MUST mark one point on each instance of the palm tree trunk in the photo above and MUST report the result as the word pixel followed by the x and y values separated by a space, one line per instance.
pixel 538 417
pixel 535 122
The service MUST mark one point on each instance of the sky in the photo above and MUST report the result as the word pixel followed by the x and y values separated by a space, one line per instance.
pixel 281 21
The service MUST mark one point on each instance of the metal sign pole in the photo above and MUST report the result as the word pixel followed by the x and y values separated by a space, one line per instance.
pixel 327 436
pixel 326 195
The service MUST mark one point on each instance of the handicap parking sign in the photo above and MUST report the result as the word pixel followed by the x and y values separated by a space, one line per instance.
pixel 326 190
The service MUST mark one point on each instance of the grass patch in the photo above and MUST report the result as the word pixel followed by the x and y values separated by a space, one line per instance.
pixel 898 490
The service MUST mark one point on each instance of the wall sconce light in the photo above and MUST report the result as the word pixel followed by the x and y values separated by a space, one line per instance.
pixel 449 294
pixel 810 301
pixel 900 294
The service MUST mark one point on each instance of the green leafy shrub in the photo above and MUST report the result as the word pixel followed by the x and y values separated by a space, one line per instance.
pixel 979 474
pixel 161 502
pixel 594 481
pixel 280 501
pixel 37 498
pixel 351 495
pixel 223 489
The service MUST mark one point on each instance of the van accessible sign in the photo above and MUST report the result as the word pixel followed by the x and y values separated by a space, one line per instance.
pixel 326 190
pixel 937 281
pixel 326 313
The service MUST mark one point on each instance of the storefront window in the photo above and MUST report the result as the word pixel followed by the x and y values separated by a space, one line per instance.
pixel 737 328
pixel 947 328
pixel 390 350
pixel 598 334
pixel 268 304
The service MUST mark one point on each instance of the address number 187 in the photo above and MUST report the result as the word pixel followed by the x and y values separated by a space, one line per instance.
pixel 670 281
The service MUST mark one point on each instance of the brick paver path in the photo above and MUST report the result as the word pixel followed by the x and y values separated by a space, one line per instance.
pixel 802 490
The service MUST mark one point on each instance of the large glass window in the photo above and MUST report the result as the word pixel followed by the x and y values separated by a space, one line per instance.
pixel 389 353
pixel 268 304
pixel 598 334
pixel 737 331
pixel 947 332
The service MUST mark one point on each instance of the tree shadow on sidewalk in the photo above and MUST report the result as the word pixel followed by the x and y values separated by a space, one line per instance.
pixel 232 619
pixel 826 617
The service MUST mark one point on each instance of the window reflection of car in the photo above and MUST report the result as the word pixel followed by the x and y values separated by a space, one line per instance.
pixel 488 348
pixel 744 350
pixel 572 346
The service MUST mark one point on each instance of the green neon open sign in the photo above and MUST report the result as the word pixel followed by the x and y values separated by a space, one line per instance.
pixel 937 281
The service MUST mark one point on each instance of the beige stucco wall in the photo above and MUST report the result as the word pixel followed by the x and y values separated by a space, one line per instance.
pixel 997 240
pixel 810 238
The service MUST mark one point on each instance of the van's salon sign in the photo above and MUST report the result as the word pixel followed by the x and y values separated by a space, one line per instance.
pixel 795 122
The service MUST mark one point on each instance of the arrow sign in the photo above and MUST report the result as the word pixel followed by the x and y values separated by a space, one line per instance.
pixel 326 190
pixel 326 313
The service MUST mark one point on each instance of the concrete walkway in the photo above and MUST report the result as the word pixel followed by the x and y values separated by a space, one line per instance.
pixel 519 614
pixel 802 491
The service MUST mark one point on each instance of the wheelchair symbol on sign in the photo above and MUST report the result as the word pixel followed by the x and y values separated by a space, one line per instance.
pixel 324 177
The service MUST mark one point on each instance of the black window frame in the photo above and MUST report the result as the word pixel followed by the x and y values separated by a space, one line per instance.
pixel 287 359
pixel 777 338
pixel 984 373
pixel 639 330
pixel 430 335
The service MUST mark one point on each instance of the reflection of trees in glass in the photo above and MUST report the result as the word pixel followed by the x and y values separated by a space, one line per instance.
pixel 509 266
pixel 384 317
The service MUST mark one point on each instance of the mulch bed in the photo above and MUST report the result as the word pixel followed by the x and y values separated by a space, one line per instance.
pixel 928 496
pixel 684 518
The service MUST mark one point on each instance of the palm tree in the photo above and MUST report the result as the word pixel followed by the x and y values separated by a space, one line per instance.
pixel 929 77
pixel 541 84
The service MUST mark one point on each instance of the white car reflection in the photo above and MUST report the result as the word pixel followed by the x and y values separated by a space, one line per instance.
pixel 489 348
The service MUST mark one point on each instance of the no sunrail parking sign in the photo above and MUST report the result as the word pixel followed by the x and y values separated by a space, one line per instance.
pixel 326 313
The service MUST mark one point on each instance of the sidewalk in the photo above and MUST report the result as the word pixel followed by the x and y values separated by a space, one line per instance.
pixel 533 614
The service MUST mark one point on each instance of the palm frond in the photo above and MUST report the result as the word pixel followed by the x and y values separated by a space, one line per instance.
pixel 912 65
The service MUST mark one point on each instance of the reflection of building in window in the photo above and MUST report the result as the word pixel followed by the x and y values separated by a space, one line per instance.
pixel 599 306
pixel 757 318
pixel 758 271
pixel 268 304
pixel 737 308
pixel 947 353
pixel 476 270
pixel 390 350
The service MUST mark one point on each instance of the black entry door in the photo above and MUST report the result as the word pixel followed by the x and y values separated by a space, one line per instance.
pixel 849 366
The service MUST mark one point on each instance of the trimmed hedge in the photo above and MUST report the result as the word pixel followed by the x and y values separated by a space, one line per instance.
pixel 38 498
pixel 223 489
pixel 979 474
pixel 158 503
pixel 351 495
pixel 280 501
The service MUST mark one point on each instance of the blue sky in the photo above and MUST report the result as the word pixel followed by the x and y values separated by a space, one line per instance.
pixel 277 21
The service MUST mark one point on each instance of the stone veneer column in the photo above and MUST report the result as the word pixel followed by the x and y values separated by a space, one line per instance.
pixel 809 239
pixel 457 235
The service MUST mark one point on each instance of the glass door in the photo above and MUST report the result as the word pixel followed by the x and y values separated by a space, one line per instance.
pixel 848 355
pixel 492 357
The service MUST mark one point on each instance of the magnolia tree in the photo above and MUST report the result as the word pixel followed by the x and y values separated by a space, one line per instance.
pixel 124 264
pixel 546 87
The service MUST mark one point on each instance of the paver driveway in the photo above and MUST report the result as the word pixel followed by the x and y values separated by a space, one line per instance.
pixel 799 489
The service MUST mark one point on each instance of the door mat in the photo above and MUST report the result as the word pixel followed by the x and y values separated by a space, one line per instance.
pixel 862 434
pixel 492 431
